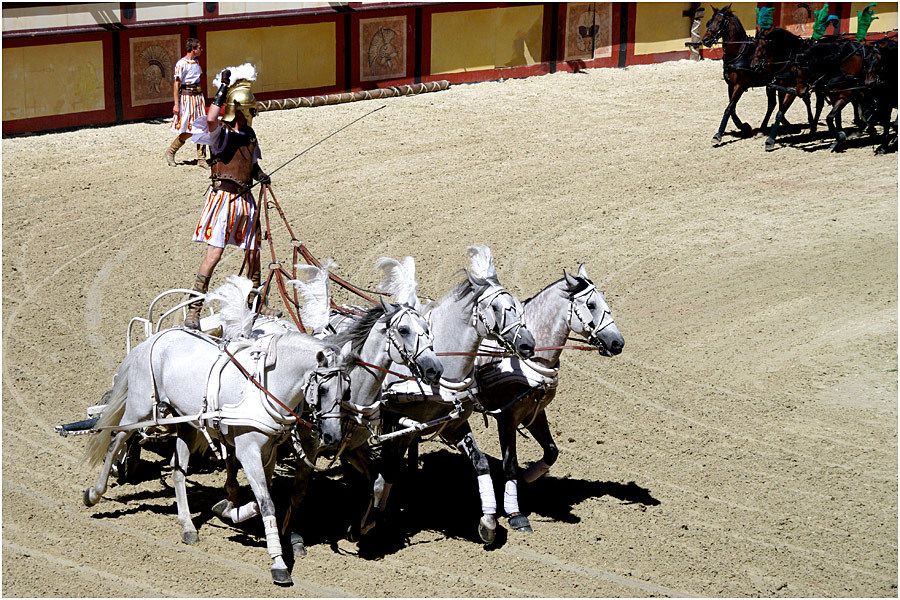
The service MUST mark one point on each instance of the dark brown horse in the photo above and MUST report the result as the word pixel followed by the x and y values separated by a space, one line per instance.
pixel 738 50
pixel 880 94
pixel 833 68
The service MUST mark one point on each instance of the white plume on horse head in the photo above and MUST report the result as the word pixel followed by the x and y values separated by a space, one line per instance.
pixel 399 279
pixel 237 317
pixel 481 262
pixel 312 283
pixel 244 71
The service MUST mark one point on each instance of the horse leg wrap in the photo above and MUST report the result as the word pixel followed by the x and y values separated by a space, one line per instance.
pixel 486 491
pixel 273 542
pixel 242 513
pixel 511 497
pixel 535 471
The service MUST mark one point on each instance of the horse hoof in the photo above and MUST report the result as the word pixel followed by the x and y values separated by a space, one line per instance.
pixel 487 529
pixel 88 497
pixel 221 507
pixel 353 534
pixel 521 524
pixel 190 537
pixel 297 545
pixel 769 147
pixel 880 150
pixel 282 577
pixel 716 139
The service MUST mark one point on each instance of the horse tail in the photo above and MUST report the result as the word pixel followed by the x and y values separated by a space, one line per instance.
pixel 98 443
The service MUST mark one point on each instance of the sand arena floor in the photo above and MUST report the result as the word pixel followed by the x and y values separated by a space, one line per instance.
pixel 745 443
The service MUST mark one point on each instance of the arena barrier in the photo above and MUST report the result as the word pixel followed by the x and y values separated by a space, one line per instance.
pixel 118 58
pixel 390 92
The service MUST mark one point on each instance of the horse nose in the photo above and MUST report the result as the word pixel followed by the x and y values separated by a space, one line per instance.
pixel 433 372
pixel 525 349
pixel 328 439
pixel 616 346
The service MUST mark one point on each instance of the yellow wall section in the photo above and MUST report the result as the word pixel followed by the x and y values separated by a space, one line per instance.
pixel 238 8
pixel 286 58
pixel 32 77
pixel 745 11
pixel 885 11
pixel 474 40
pixel 660 27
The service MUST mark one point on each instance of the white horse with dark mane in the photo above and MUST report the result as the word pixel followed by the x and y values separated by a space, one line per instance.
pixel 248 402
pixel 516 391
pixel 476 309
pixel 384 334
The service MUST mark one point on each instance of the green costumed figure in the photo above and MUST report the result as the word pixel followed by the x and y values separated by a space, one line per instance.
pixel 821 18
pixel 864 19
pixel 765 18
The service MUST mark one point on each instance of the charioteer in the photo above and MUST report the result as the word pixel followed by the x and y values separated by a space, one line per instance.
pixel 230 214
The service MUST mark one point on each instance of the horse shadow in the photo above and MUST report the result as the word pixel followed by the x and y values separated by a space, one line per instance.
pixel 442 497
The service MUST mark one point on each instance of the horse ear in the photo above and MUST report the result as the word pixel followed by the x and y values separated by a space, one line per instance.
pixel 321 359
pixel 727 7
pixel 582 272
pixel 389 308
pixel 715 10
pixel 571 281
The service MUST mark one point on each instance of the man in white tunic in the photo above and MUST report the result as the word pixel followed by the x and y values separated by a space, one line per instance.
pixel 230 215
pixel 190 103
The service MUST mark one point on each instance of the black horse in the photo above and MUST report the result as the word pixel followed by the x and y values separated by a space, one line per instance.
pixel 738 50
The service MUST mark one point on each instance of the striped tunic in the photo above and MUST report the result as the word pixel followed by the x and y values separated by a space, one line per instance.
pixel 228 219
pixel 192 106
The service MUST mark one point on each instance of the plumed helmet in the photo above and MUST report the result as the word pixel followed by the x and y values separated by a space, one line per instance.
pixel 240 99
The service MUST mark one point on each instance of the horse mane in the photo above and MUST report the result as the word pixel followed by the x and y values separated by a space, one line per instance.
pixel 359 331
pixel 580 285
pixel 237 318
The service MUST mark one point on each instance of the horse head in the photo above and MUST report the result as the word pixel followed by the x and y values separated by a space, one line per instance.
pixel 590 315
pixel 327 390
pixel 499 315
pixel 717 25
pixel 410 342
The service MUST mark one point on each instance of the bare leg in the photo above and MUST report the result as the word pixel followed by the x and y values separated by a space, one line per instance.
pixel 210 260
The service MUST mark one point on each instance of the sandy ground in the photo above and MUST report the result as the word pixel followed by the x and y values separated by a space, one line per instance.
pixel 745 443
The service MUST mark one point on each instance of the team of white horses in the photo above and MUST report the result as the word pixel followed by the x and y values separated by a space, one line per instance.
pixel 387 376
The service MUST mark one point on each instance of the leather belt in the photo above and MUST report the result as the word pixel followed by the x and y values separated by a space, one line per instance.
pixel 191 90
pixel 229 185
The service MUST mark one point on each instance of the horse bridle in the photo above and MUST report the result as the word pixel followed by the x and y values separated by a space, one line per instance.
pixel 490 327
pixel 396 350
pixel 588 329
pixel 314 381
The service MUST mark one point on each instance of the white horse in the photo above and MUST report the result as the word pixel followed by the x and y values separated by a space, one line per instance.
pixel 517 391
pixel 478 308
pixel 184 373
pixel 388 333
